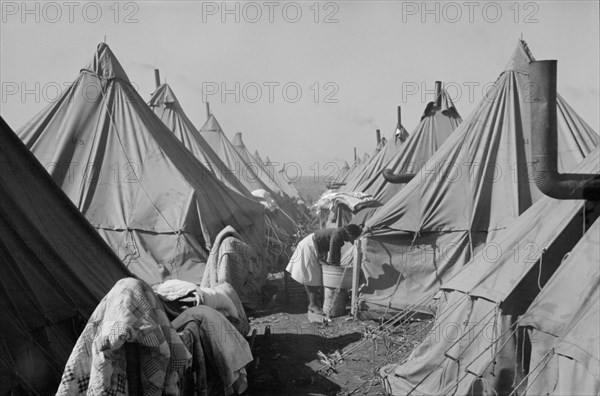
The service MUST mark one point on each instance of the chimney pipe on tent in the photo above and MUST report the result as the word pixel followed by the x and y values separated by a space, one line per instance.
pixel 544 137
pixel 397 178
pixel 157 77
pixel 378 134
pixel 389 174
pixel 207 110
pixel 438 93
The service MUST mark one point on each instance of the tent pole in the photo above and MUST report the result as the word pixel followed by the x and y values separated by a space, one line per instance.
pixel 355 279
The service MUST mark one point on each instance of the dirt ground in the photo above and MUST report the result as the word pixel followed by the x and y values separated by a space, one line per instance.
pixel 295 357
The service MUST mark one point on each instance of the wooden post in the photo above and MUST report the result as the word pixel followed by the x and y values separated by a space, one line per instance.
pixel 356 278
pixel 378 135
pixel 207 110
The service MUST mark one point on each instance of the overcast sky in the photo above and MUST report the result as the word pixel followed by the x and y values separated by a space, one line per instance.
pixel 353 61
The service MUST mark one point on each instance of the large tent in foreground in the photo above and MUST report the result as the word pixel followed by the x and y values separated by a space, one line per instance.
pixel 563 321
pixel 54 269
pixel 471 189
pixel 475 346
pixel 155 203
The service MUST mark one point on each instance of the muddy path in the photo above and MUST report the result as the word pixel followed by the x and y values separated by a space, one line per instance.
pixel 295 357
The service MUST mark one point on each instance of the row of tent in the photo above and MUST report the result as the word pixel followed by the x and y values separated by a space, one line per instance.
pixel 100 186
pixel 159 205
pixel 157 189
pixel 471 239
pixel 404 153
pixel 472 179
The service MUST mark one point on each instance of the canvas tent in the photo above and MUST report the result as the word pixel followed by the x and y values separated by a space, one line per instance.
pixel 54 269
pixel 472 188
pixel 266 170
pixel 474 346
pixel 354 169
pixel 400 134
pixel 248 174
pixel 251 176
pixel 563 321
pixel 342 173
pixel 263 175
pixel 378 162
pixel 285 218
pixel 438 121
pixel 169 110
pixel 155 204
pixel 268 177
pixel 350 184
pixel 278 176
pixel 285 179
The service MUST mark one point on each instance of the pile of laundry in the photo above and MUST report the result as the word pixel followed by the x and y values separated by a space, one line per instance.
pixel 174 338
pixel 353 200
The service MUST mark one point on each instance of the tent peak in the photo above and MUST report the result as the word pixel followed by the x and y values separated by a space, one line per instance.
pixel 164 95
pixel 237 140
pixel 519 61
pixel 442 103
pixel 105 64
pixel 211 125
pixel 259 158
